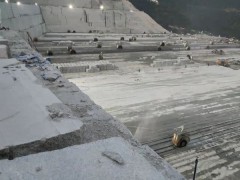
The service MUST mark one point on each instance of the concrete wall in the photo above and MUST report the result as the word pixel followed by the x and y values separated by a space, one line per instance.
pixel 24 18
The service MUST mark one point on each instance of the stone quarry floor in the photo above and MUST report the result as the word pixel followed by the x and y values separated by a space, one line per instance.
pixel 152 99
pixel 46 121
pixel 205 99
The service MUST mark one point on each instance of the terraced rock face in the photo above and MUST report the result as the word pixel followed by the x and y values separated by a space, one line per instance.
pixel 116 16
pixel 24 18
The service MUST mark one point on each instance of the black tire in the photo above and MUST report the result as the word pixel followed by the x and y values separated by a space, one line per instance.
pixel 49 53
pixel 183 143
pixel 72 51
pixel 159 48
pixel 35 39
pixel 120 47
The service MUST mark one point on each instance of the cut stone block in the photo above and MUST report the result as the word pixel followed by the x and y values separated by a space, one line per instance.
pixel 86 161
pixel 3 52
pixel 24 116
pixel 85 66
pixel 93 69
pixel 3 41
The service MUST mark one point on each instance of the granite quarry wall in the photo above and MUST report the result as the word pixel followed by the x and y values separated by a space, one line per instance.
pixel 23 18
pixel 88 4
pixel 118 20
pixel 118 16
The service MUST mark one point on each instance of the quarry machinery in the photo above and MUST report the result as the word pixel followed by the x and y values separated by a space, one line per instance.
pixel 180 137
pixel 222 62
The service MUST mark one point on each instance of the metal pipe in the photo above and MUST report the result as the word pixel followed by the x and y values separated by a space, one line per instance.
pixel 195 169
